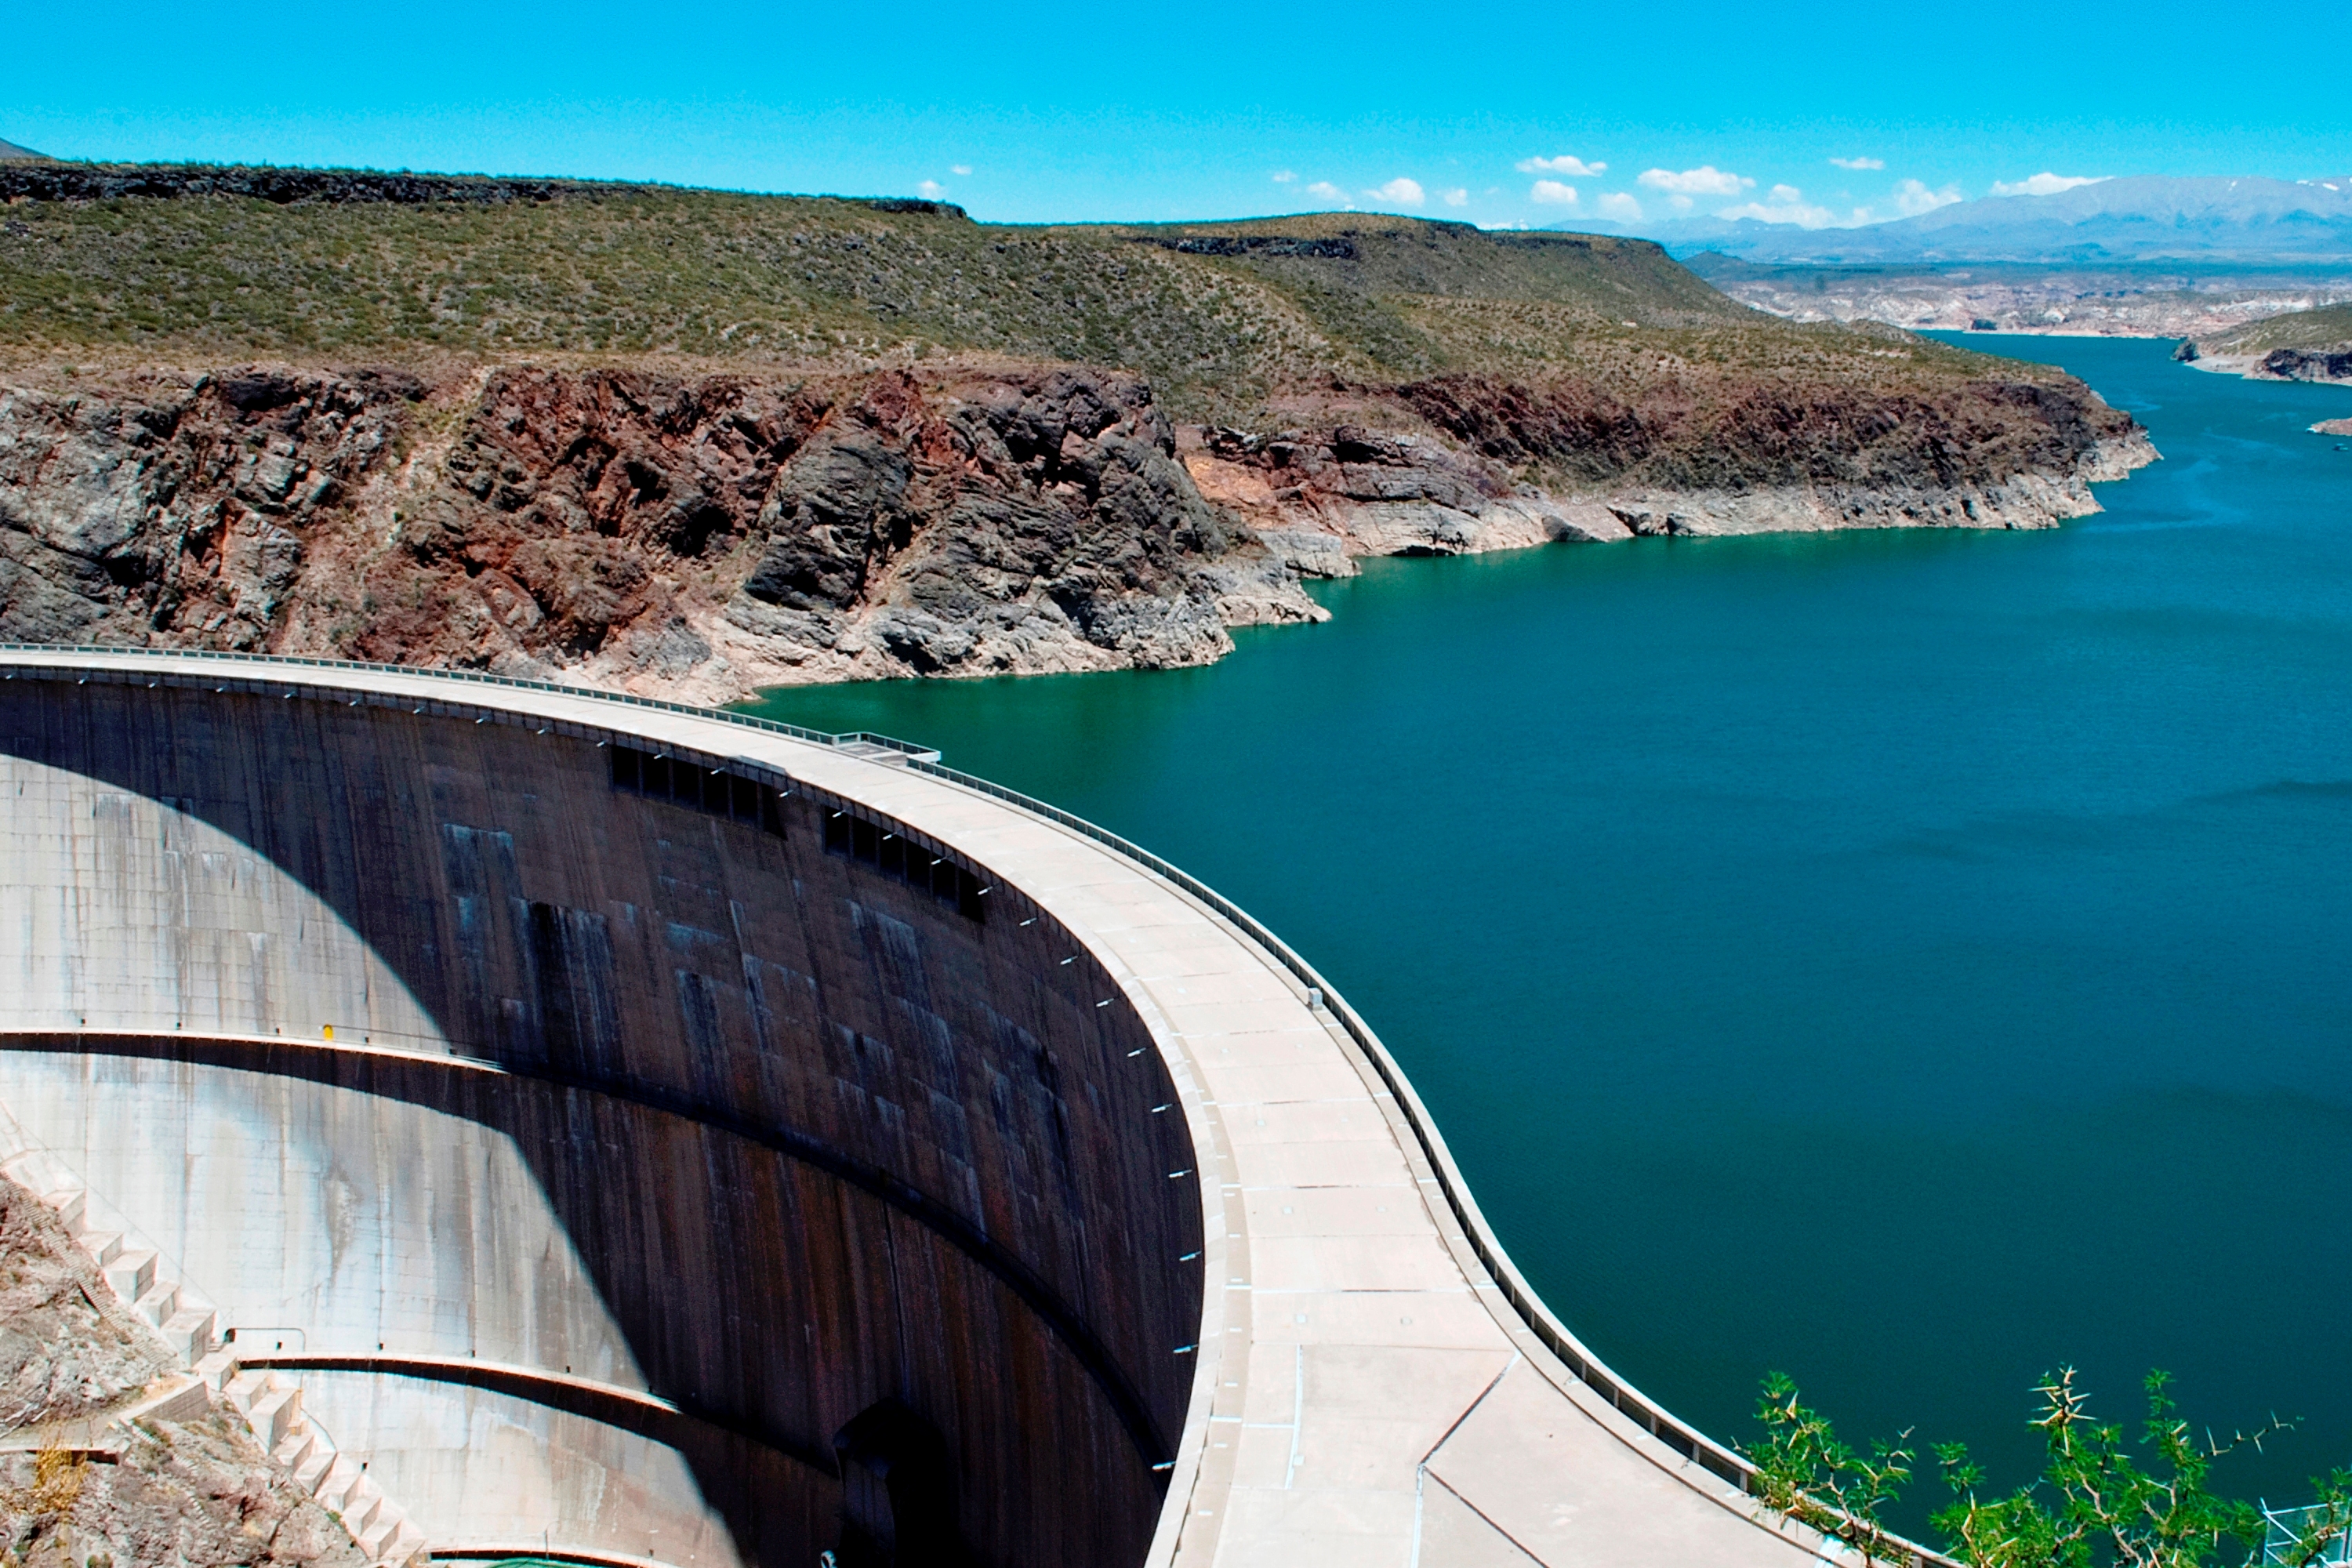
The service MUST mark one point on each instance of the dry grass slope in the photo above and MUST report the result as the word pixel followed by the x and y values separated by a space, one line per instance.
pixel 2328 327
pixel 1224 318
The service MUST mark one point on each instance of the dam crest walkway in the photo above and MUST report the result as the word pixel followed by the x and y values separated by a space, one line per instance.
pixel 1373 1382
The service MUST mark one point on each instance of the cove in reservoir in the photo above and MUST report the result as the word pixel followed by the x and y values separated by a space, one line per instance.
pixel 1910 960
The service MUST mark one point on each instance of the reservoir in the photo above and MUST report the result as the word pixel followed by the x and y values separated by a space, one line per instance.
pixel 1913 961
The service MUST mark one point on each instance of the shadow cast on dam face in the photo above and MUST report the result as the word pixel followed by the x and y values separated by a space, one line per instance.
pixel 825 1141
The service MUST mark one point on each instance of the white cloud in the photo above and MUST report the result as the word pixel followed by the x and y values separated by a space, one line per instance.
pixel 961 169
pixel 1621 206
pixel 1784 203
pixel 1859 163
pixel 1458 199
pixel 931 190
pixel 1325 190
pixel 2044 184
pixel 1284 176
pixel 1552 194
pixel 1680 203
pixel 1574 168
pixel 1707 180
pixel 1400 192
pixel 1913 197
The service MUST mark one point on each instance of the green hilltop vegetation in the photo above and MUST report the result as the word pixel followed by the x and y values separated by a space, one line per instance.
pixel 186 264
pixel 2328 327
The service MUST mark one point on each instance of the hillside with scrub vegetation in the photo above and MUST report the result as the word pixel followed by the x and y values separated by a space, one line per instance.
pixel 2300 345
pixel 708 439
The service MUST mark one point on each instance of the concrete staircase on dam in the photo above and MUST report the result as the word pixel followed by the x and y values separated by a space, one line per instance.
pixel 153 1286
pixel 272 1405
pixel 140 1274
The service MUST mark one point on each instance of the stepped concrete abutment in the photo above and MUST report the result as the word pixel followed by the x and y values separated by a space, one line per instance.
pixel 647 1136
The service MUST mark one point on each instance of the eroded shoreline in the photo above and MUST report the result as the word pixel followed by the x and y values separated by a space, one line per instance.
pixel 706 536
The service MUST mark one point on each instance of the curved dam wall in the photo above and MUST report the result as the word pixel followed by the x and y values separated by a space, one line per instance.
pixel 702 1167
pixel 647 1136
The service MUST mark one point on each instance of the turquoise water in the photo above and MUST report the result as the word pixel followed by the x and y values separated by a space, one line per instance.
pixel 1910 960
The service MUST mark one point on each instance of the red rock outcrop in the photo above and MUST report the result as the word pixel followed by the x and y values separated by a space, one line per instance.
pixel 709 534
pixel 705 534
pixel 1496 464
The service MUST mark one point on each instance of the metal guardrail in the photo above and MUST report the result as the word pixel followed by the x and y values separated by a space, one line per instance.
pixel 1555 1335
pixel 1687 1441
pixel 1547 1329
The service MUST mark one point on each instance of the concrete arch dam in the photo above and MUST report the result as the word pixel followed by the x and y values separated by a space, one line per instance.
pixel 647 1135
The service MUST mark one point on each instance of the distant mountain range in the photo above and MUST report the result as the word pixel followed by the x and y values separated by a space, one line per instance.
pixel 11 153
pixel 2140 218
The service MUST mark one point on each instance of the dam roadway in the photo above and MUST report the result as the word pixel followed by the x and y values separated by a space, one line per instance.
pixel 645 1134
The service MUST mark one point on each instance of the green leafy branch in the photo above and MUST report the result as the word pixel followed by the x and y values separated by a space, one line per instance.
pixel 2100 1501
pixel 1805 1471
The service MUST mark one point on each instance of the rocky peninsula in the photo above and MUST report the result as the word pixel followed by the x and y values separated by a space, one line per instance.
pixel 699 443
pixel 2305 345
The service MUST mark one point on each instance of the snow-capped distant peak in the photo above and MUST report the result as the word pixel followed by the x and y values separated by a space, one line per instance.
pixel 2126 217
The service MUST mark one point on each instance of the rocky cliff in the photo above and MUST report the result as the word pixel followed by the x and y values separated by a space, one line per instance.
pixel 708 534
pixel 2305 364
pixel 1497 464
pixel 2302 345
pixel 704 534
pixel 181 1493
pixel 697 442
pixel 2278 364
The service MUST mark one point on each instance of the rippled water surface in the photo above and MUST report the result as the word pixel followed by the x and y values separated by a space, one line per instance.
pixel 1911 960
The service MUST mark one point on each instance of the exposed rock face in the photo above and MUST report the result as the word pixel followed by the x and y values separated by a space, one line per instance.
pixel 197 1492
pixel 181 510
pixel 1517 465
pixel 67 1350
pixel 1039 525
pixel 2306 364
pixel 706 536
pixel 1712 433
pixel 183 1493
pixel 2312 344
pixel 1323 496
pixel 2278 364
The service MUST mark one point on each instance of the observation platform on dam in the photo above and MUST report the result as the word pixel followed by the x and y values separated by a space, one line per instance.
pixel 1030 1205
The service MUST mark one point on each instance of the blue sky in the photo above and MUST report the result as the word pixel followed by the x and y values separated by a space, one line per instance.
pixel 1219 109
